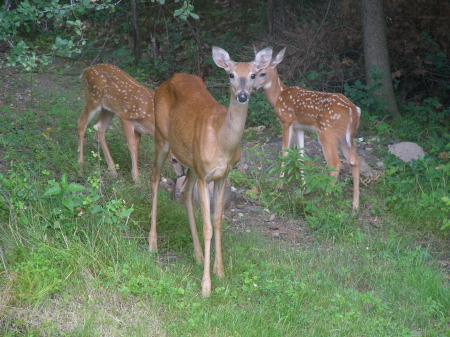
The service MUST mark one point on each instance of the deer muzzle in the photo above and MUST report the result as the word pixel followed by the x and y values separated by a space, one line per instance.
pixel 242 97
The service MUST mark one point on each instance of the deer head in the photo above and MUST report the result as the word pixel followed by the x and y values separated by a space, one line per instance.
pixel 243 76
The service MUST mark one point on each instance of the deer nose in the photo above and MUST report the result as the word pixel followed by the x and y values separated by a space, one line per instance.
pixel 242 97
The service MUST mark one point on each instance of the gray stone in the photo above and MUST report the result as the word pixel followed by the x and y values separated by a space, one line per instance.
pixel 406 151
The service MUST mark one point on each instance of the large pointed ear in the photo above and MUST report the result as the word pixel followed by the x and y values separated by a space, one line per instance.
pixel 263 58
pixel 279 57
pixel 221 58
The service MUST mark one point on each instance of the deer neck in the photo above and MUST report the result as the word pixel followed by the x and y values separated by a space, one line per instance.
pixel 233 127
pixel 273 89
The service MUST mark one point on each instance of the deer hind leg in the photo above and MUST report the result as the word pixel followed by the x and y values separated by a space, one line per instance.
pixel 162 151
pixel 100 127
pixel 352 158
pixel 133 141
pixel 329 144
pixel 89 112
pixel 203 193
pixel 219 197
pixel 187 192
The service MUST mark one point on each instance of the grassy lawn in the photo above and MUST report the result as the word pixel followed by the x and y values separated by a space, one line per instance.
pixel 75 260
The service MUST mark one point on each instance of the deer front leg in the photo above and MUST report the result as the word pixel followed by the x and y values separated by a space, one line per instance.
pixel 329 144
pixel 219 196
pixel 187 195
pixel 287 136
pixel 351 155
pixel 90 110
pixel 82 124
pixel 207 234
pixel 301 146
pixel 161 154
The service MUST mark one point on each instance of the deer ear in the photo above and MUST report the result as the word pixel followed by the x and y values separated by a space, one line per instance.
pixel 279 57
pixel 263 58
pixel 221 58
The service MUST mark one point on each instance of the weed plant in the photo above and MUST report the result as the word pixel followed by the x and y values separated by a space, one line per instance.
pixel 300 187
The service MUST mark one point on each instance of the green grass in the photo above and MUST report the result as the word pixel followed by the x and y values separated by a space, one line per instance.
pixel 75 259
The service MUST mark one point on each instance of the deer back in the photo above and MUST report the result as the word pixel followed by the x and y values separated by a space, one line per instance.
pixel 108 86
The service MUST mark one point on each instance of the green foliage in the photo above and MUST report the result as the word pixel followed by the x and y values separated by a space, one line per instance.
pixel 423 183
pixel 21 55
pixel 17 191
pixel 304 189
pixel 425 122
pixel 240 179
pixel 446 209
pixel 260 111
pixel 63 23
pixel 364 95
pixel 33 17
pixel 304 184
pixel 130 280
pixel 185 11
pixel 436 56
pixel 41 273
pixel 66 193
pixel 315 78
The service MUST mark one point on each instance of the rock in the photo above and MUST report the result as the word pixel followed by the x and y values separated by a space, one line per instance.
pixel 168 184
pixel 277 235
pixel 406 151
pixel 227 198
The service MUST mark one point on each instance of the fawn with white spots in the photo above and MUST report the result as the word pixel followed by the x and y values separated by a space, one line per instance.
pixel 205 137
pixel 112 92
pixel 332 116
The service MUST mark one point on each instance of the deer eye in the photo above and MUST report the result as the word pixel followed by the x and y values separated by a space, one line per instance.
pixel 231 75
pixel 262 75
pixel 252 76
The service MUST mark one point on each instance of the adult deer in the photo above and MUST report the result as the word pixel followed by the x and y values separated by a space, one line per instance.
pixel 332 116
pixel 205 137
pixel 112 92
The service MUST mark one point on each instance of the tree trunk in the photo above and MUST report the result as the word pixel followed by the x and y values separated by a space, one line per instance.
pixel 136 38
pixel 282 14
pixel 376 54
pixel 271 20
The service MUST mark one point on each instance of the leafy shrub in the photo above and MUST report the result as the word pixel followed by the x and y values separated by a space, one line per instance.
pixel 422 183
pixel 364 95
pixel 303 188
pixel 260 111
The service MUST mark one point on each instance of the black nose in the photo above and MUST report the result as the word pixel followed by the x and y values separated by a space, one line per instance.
pixel 242 97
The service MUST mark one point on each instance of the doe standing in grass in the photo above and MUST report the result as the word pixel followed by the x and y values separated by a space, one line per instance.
pixel 205 137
